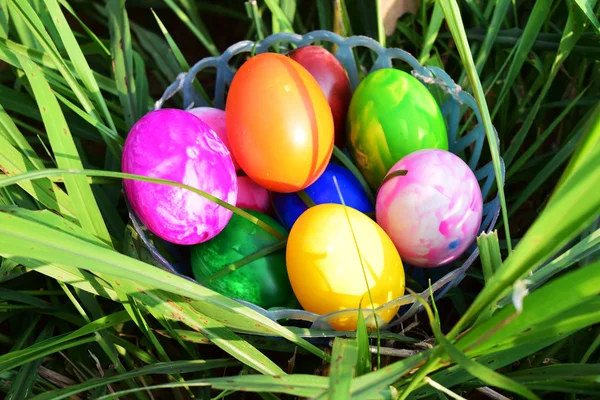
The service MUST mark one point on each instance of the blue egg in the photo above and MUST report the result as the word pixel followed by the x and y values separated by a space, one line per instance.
pixel 289 206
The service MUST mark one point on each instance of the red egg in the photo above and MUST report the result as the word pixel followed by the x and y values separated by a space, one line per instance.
pixel 332 79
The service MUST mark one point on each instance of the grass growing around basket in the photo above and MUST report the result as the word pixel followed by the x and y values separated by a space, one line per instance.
pixel 82 314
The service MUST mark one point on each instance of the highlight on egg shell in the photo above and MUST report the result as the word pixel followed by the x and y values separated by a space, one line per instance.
pixel 250 194
pixel 177 146
pixel 333 80
pixel 263 282
pixel 279 124
pixel 325 269
pixel 434 212
pixel 290 206
pixel 391 115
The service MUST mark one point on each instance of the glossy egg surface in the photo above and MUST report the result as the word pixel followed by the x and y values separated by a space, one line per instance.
pixel 391 115
pixel 290 206
pixel 434 212
pixel 263 282
pixel 250 194
pixel 175 145
pixel 279 124
pixel 333 80
pixel 325 269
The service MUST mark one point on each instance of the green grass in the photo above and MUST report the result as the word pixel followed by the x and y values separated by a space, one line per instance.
pixel 84 310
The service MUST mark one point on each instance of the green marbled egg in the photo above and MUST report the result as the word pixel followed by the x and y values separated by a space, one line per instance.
pixel 391 115
pixel 263 282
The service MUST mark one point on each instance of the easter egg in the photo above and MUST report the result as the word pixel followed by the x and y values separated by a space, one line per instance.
pixel 175 145
pixel 250 194
pixel 290 206
pixel 215 118
pixel 279 124
pixel 263 282
pixel 325 269
pixel 391 115
pixel 434 212
pixel 332 79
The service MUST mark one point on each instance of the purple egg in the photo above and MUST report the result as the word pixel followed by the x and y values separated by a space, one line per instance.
pixel 433 213
pixel 175 145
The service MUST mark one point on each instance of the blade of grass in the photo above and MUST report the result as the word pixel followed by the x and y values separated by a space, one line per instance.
pixel 578 201
pixel 115 265
pixel 500 11
pixel 78 59
pixel 518 164
pixel 344 356
pixel 297 385
pixel 254 15
pixel 4 19
pixel 159 303
pixel 489 252
pixel 363 356
pixel 279 15
pixel 546 172
pixel 12 162
pixel 202 37
pixel 572 32
pixel 186 366
pixel 586 148
pixel 102 339
pixel 474 368
pixel 27 14
pixel 22 386
pixel 587 8
pixel 453 18
pixel 122 59
pixel 437 17
pixel 15 138
pixel 66 154
pixel 325 14
pixel 536 20
pixel 40 349
pixel 183 64
pixel 589 245
pixel 25 35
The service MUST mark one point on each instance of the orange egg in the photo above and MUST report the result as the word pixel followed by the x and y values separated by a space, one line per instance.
pixel 279 123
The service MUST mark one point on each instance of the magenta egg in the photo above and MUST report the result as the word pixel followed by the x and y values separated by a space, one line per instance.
pixel 177 146
pixel 250 194
pixel 253 196
pixel 433 213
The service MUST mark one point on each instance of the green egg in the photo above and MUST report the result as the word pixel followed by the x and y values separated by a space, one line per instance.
pixel 391 115
pixel 263 282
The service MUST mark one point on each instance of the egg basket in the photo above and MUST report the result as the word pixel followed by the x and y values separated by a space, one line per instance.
pixel 468 146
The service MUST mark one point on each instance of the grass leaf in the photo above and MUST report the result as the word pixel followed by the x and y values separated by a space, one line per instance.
pixel 22 386
pixel 66 154
pixel 122 59
pixel 61 249
pixel 344 357
pixel 476 369
pixel 78 59
pixel 185 366
pixel 489 252
pixel 205 39
pixel 454 20
pixel 587 8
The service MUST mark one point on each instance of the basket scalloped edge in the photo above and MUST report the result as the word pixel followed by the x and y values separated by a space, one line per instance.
pixel 409 306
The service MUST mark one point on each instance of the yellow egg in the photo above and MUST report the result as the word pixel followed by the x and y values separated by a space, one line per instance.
pixel 325 269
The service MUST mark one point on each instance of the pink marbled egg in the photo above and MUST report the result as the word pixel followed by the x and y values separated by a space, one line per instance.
pixel 174 145
pixel 433 213
pixel 250 194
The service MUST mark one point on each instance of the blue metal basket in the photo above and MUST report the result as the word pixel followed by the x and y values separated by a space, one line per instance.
pixel 454 98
